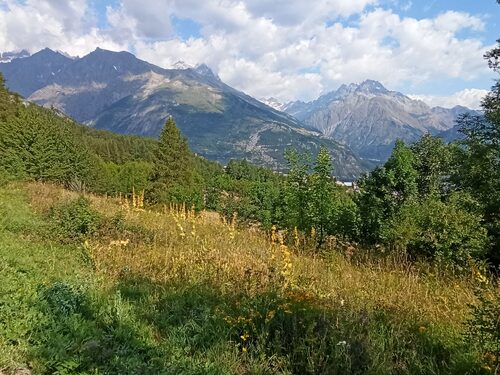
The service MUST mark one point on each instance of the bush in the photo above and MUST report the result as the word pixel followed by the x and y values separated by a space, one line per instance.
pixel 62 298
pixel 441 231
pixel 346 218
pixel 75 219
pixel 160 193
pixel 484 327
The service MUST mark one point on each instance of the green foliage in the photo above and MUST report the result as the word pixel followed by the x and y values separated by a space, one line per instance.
pixel 345 221
pixel 109 177
pixel 432 163
pixel 444 232
pixel 321 191
pixel 36 144
pixel 243 170
pixel 254 193
pixel 62 298
pixel 9 102
pixel 173 162
pixel 385 190
pixel 4 178
pixel 115 148
pixel 297 191
pixel 174 177
pixel 484 326
pixel 75 219
pixel 479 171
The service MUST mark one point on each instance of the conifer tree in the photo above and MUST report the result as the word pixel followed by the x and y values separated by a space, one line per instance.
pixel 173 164
pixel 174 178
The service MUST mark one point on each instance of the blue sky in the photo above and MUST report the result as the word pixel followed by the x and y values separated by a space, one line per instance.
pixel 288 49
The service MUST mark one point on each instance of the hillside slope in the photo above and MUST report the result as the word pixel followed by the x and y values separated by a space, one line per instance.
pixel 118 92
pixel 211 301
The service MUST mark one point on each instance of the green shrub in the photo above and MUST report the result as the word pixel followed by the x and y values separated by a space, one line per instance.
pixel 345 217
pixel 441 231
pixel 484 327
pixel 62 298
pixel 75 219
pixel 160 193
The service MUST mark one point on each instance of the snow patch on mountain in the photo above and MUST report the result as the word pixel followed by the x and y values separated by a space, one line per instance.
pixel 274 103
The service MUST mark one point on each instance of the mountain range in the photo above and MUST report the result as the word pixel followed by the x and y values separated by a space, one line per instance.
pixel 358 123
pixel 119 92
pixel 369 118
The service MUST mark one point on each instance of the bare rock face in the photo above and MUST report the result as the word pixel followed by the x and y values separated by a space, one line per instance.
pixel 369 118
pixel 118 92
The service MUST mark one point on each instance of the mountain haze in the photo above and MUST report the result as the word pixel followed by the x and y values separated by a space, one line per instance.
pixel 118 92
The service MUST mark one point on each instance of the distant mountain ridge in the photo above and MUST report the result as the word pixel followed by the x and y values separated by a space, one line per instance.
pixel 274 103
pixel 119 92
pixel 369 118
pixel 6 57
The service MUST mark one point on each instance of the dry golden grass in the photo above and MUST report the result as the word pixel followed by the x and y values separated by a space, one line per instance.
pixel 185 247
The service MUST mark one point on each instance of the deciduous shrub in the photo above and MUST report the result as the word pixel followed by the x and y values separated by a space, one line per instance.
pixel 62 298
pixel 484 327
pixel 441 231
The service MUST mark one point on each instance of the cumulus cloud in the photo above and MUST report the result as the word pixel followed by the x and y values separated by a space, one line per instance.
pixel 382 46
pixel 65 25
pixel 134 19
pixel 470 98
pixel 293 49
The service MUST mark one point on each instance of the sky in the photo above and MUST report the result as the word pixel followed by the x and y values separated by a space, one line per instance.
pixel 286 49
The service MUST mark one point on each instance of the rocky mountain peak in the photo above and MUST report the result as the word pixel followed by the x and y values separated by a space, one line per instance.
pixel 47 54
pixel 372 87
pixel 369 118
pixel 181 65
pixel 205 71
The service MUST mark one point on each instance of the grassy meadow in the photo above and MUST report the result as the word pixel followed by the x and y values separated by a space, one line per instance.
pixel 99 285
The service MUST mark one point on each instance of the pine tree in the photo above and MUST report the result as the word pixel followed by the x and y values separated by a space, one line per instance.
pixel 174 177
pixel 173 164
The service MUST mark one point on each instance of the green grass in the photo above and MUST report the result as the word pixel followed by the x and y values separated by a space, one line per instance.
pixel 64 310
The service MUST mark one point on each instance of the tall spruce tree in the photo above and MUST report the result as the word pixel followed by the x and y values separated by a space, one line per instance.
pixel 173 164
pixel 174 178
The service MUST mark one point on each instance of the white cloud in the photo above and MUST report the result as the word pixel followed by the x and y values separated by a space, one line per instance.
pixel 470 98
pixel 134 19
pixel 289 49
pixel 65 25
